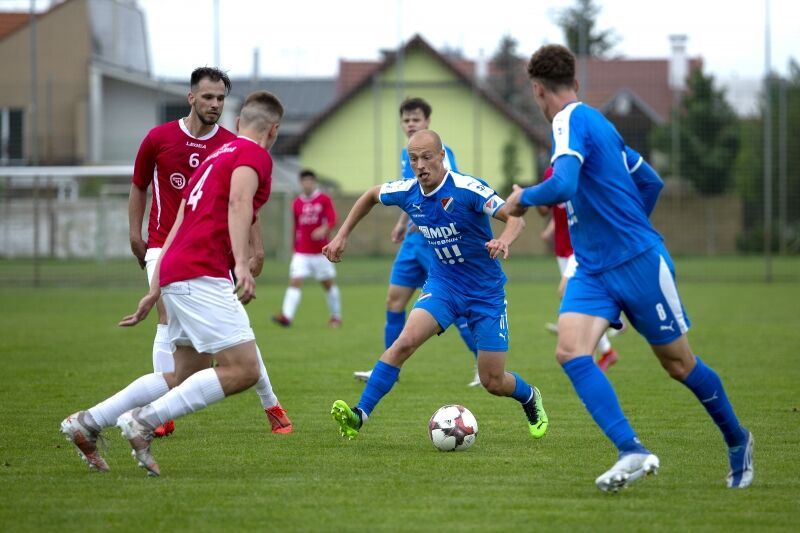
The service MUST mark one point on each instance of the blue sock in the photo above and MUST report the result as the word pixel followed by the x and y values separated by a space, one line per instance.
pixel 466 334
pixel 394 325
pixel 599 398
pixel 522 391
pixel 706 385
pixel 380 383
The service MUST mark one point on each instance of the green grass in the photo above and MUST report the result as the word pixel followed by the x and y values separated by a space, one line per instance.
pixel 126 273
pixel 224 471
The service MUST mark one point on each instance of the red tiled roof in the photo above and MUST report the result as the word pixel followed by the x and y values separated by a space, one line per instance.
pixel 11 22
pixel 646 78
pixel 462 69
pixel 351 73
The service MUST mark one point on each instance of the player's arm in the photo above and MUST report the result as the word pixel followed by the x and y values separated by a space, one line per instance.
pixel 647 180
pixel 152 296
pixel 256 261
pixel 137 199
pixel 244 183
pixel 327 222
pixel 334 249
pixel 399 229
pixel 549 230
pixel 513 228
pixel 560 188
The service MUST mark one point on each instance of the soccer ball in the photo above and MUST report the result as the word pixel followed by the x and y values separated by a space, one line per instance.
pixel 453 428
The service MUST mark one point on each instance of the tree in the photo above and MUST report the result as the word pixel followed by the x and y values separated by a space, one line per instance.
pixel 709 138
pixel 749 168
pixel 581 20
pixel 511 167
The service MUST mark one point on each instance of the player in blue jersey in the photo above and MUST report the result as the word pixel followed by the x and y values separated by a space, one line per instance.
pixel 410 267
pixel 623 266
pixel 452 213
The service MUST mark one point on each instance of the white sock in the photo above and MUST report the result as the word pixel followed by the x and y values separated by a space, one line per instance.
pixel 604 345
pixel 200 390
pixel 334 302
pixel 290 302
pixel 162 351
pixel 141 392
pixel 264 387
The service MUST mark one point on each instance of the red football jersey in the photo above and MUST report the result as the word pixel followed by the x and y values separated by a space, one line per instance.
pixel 168 156
pixel 202 245
pixel 563 244
pixel 309 213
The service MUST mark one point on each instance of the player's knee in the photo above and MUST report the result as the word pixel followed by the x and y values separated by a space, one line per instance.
pixel 564 353
pixel 493 384
pixel 404 346
pixel 247 376
pixel 677 369
pixel 172 379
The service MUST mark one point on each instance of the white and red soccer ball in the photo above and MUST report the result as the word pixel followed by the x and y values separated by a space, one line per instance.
pixel 453 428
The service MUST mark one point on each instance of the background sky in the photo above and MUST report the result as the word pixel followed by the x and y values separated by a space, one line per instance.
pixel 308 37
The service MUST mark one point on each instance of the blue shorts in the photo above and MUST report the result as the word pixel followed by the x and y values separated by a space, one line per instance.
pixel 643 288
pixel 410 267
pixel 487 319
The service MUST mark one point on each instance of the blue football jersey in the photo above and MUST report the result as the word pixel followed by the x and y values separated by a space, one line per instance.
pixel 408 173
pixel 454 219
pixel 608 223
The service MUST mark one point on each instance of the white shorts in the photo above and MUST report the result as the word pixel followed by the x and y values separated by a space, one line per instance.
pixel 206 314
pixel 150 260
pixel 307 265
pixel 567 266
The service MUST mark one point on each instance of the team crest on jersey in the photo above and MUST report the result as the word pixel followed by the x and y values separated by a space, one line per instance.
pixel 447 204
pixel 177 180
pixel 491 203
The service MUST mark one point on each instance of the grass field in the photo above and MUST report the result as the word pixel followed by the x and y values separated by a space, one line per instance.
pixel 223 470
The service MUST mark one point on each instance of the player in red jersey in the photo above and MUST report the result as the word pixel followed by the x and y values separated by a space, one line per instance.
pixel 314 218
pixel 210 238
pixel 558 230
pixel 167 158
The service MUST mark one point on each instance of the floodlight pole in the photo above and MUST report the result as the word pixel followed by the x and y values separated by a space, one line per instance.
pixel 34 151
pixel 767 147
pixel 216 34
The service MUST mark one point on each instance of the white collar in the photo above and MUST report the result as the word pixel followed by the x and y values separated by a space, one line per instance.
pixel 205 137
pixel 434 191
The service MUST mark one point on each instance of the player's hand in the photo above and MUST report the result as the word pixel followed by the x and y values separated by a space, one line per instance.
pixel 497 247
pixel 145 305
pixel 317 234
pixel 398 233
pixel 513 206
pixel 245 284
pixel 334 249
pixel 139 249
pixel 256 265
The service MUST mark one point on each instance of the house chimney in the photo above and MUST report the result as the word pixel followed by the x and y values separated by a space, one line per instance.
pixel 256 74
pixel 481 69
pixel 678 63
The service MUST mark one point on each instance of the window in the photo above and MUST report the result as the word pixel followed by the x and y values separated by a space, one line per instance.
pixel 174 111
pixel 11 135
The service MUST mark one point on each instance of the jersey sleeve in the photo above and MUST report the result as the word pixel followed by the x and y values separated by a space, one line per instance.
pixel 569 133
pixel 405 165
pixel 145 165
pixel 647 180
pixel 395 192
pixel 329 212
pixel 482 197
pixel 450 159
